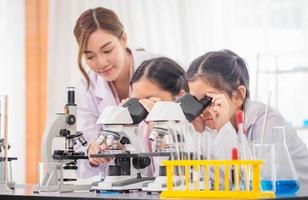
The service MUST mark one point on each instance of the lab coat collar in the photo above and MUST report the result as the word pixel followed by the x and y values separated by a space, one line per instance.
pixel 251 113
pixel 102 88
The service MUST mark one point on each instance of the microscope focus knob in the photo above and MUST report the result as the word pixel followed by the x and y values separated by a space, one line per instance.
pixel 70 119
pixel 124 140
pixel 82 140
pixel 141 162
pixel 64 133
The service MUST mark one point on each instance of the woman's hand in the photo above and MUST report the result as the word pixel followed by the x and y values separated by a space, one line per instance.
pixel 149 103
pixel 95 148
pixel 123 101
pixel 220 109
pixel 199 124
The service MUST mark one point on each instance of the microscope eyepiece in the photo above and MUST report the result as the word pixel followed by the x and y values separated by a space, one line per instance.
pixel 136 110
pixel 192 107
pixel 206 101
pixel 71 96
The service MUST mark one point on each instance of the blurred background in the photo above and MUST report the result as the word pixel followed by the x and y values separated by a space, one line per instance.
pixel 38 54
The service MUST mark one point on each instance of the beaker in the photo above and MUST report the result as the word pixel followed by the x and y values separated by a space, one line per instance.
pixel 266 152
pixel 287 182
pixel 50 178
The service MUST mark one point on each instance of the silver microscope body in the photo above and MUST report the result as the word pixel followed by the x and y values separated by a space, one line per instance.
pixel 170 132
pixel 58 161
pixel 167 136
pixel 120 135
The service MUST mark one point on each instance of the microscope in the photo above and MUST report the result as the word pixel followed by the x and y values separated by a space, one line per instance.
pixel 58 161
pixel 167 136
pixel 120 134
pixel 6 180
pixel 170 131
pixel 168 117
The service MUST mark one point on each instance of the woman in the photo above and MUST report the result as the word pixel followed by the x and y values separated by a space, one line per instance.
pixel 109 66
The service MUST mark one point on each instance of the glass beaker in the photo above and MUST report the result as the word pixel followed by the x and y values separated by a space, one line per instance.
pixel 50 177
pixel 287 182
pixel 266 152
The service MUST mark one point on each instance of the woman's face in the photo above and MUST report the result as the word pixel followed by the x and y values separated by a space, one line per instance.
pixel 199 88
pixel 105 54
pixel 145 89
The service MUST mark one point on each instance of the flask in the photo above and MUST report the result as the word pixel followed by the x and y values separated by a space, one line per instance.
pixel 287 182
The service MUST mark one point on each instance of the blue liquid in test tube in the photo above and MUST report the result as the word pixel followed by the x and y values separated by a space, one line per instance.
pixel 267 185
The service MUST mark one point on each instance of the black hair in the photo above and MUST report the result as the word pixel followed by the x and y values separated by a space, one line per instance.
pixel 223 69
pixel 164 72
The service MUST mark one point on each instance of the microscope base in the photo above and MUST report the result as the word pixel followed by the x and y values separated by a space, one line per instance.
pixel 122 183
pixel 160 184
pixel 4 188
pixel 64 188
pixel 11 185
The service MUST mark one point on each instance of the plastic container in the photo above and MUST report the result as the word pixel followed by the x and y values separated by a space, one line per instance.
pixel 222 181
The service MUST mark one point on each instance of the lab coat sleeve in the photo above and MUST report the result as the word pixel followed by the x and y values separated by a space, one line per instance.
pixel 297 149
pixel 87 115
pixel 223 142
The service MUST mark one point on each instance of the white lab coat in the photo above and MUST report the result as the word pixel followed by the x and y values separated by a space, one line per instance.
pixel 254 116
pixel 90 103
pixel 222 142
pixel 220 145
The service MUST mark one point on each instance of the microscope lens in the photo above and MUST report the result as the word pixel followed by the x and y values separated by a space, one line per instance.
pixel 110 140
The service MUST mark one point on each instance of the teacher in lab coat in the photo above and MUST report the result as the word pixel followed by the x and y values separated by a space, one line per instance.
pixel 106 64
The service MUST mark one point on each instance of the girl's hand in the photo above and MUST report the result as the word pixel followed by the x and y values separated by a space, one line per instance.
pixel 149 103
pixel 123 101
pixel 220 109
pixel 199 124
pixel 95 148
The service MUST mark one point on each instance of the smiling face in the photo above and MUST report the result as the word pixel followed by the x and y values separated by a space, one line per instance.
pixel 199 88
pixel 144 89
pixel 105 54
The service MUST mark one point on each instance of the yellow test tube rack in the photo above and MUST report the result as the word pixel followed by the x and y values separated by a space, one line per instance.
pixel 194 188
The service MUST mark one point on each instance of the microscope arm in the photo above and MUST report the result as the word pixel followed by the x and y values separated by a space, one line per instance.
pixel 52 131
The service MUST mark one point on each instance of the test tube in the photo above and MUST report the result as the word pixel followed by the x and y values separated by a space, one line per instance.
pixel 3 122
